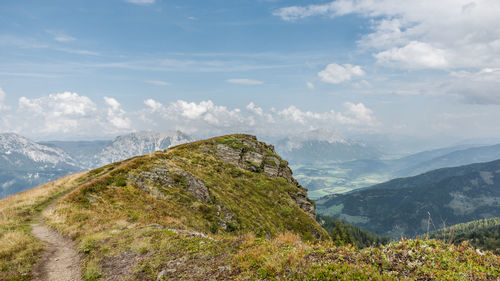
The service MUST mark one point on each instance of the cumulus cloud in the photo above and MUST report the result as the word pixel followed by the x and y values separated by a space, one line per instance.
pixel 310 85
pixel 360 113
pixel 415 55
pixel 356 114
pixel 207 118
pixel 336 73
pixel 116 115
pixel 448 33
pixel 255 109
pixel 244 81
pixel 154 105
pixel 61 112
pixel 69 113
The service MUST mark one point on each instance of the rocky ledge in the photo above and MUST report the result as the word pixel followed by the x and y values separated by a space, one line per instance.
pixel 246 152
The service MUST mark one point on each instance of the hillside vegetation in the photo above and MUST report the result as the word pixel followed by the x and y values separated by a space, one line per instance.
pixel 343 233
pixel 401 207
pixel 226 208
pixel 483 234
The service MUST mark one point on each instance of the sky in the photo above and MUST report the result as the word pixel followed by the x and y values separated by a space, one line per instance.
pixel 95 69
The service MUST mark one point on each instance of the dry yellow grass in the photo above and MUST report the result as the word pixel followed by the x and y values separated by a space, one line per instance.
pixel 19 250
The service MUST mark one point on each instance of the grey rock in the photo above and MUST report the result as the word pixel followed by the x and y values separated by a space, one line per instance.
pixel 301 200
pixel 163 177
pixel 229 154
pixel 197 187
pixel 253 157
pixel 271 171
pixel 272 166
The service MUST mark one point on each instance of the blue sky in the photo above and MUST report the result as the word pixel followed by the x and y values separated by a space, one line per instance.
pixel 95 69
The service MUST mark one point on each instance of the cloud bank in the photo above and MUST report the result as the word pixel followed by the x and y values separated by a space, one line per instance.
pixel 61 114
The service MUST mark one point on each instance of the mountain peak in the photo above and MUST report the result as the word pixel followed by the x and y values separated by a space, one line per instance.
pixel 12 143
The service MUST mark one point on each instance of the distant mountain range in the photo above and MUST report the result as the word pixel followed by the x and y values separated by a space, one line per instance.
pixel 401 207
pixel 92 154
pixel 323 146
pixel 323 177
pixel 25 164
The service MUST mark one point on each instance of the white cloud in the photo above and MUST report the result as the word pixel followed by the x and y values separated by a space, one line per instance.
pixel 415 55
pixel 3 107
pixel 483 75
pixel 141 2
pixel 310 85
pixel 61 112
pixel 454 33
pixel 116 115
pixel 68 113
pixel 244 81
pixel 255 109
pixel 208 118
pixel 157 82
pixel 360 112
pixel 356 114
pixel 335 73
pixel 59 105
pixel 154 105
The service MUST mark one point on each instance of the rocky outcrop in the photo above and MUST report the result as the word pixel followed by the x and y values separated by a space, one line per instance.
pixel 165 177
pixel 246 152
pixel 196 186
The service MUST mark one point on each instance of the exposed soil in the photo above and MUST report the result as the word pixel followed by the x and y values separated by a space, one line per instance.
pixel 60 260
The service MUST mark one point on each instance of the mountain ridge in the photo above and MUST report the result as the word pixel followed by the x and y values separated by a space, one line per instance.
pixel 402 206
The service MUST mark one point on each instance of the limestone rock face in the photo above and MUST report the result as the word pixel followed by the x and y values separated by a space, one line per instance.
pixel 196 186
pixel 250 154
pixel 253 157
pixel 229 154
pixel 163 177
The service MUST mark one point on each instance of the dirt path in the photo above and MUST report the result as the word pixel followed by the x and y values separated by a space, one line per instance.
pixel 60 260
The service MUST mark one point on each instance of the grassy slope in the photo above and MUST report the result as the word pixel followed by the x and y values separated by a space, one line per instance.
pixel 123 230
pixel 19 250
pixel 112 218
